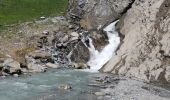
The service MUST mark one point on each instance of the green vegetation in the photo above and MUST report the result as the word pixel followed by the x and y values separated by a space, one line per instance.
pixel 15 11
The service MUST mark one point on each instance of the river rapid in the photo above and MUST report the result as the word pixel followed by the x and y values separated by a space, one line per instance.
pixel 45 86
pixel 84 86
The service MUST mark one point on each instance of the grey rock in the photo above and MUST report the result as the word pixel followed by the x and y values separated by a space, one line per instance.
pixel 70 27
pixel 35 68
pixel 40 54
pixel 144 53
pixel 80 66
pixel 45 32
pixel 100 93
pixel 96 13
pixel 65 87
pixel 74 34
pixel 64 39
pixel 11 66
pixel 80 53
pixel 16 75
pixel 51 65
pixel 74 38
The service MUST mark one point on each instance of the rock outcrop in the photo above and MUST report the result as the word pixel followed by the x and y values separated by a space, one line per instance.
pixel 145 51
pixel 94 14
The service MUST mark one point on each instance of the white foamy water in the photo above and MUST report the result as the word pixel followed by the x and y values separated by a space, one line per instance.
pixel 98 59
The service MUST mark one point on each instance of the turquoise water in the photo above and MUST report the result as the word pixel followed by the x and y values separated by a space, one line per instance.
pixel 44 86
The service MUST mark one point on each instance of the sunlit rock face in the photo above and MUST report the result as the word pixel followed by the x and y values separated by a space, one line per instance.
pixel 145 52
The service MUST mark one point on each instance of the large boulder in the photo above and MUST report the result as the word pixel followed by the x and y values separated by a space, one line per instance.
pixel 145 52
pixel 11 66
pixel 80 53
pixel 36 68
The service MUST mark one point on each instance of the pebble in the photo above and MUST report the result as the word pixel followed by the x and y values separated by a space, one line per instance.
pixel 15 75
pixel 70 27
pixel 45 32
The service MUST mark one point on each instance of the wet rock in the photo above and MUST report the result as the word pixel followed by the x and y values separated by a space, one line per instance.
pixel 65 87
pixel 80 66
pixel 11 66
pixel 51 65
pixel 5 74
pixel 24 70
pixel 1 70
pixel 100 39
pixel 80 53
pixel 15 75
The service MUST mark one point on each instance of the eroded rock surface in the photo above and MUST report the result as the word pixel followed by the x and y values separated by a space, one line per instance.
pixel 145 52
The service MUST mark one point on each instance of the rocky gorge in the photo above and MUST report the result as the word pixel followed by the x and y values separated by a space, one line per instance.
pixel 127 39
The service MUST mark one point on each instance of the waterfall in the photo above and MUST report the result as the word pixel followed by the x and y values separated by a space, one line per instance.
pixel 98 59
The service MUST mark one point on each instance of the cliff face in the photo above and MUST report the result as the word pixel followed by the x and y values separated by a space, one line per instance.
pixel 145 26
pixel 94 14
pixel 145 51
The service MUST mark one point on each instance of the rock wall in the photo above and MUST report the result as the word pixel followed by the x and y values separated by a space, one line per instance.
pixel 94 14
pixel 145 51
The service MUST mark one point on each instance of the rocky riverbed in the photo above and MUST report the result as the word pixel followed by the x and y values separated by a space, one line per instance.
pixel 59 45
pixel 65 84
pixel 45 43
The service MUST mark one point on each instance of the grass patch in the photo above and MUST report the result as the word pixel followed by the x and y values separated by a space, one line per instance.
pixel 16 11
